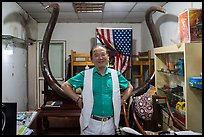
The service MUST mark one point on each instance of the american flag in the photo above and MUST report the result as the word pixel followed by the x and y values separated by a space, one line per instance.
pixel 119 40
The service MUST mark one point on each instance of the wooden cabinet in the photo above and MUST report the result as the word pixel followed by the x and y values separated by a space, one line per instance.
pixel 174 65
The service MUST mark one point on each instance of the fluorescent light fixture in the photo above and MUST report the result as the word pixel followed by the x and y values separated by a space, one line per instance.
pixel 88 6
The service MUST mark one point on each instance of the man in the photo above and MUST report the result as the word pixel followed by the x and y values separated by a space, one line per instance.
pixel 101 98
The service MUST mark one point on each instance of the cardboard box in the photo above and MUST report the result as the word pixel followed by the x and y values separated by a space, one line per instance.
pixel 190 25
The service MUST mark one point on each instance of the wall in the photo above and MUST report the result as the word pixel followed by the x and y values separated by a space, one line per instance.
pixel 167 24
pixel 79 36
pixel 15 67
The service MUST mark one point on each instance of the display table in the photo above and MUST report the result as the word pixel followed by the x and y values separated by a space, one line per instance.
pixel 67 108
pixel 63 111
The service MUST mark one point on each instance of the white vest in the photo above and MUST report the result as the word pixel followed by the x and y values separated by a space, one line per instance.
pixel 87 95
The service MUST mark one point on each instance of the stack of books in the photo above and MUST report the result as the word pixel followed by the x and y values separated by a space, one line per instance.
pixel 56 103
pixel 24 120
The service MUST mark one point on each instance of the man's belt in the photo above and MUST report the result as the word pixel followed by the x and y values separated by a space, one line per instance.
pixel 103 119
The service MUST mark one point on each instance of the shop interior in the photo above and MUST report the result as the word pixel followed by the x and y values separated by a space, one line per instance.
pixel 161 57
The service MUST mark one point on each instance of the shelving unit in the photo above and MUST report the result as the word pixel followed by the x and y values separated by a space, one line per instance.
pixel 138 62
pixel 13 39
pixel 79 60
pixel 175 85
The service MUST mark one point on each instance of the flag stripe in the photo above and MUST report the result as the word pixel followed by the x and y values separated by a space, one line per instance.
pixel 99 36
pixel 108 36
pixel 104 37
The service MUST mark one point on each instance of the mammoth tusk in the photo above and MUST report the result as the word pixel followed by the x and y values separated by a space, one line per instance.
pixel 157 42
pixel 45 67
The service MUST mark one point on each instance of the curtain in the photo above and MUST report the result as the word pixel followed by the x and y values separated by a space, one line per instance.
pixel 119 41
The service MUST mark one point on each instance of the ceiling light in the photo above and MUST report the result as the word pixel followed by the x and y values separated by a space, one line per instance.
pixel 88 6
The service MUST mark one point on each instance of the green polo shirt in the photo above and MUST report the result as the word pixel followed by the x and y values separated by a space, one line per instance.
pixel 102 90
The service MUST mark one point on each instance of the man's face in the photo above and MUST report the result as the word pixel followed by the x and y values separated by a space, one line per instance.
pixel 100 58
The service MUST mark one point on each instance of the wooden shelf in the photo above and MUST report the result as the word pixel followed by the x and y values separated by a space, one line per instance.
pixel 138 62
pixel 191 53
pixel 79 60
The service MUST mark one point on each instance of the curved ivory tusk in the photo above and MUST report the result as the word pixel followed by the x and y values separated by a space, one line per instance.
pixel 156 38
pixel 45 67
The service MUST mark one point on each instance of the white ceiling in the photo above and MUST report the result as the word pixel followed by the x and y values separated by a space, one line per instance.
pixel 114 12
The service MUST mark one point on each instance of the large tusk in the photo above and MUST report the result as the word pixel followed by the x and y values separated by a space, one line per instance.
pixel 45 67
pixel 156 38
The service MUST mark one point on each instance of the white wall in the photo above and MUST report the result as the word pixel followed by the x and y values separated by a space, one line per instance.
pixel 78 35
pixel 14 67
pixel 13 21
pixel 167 24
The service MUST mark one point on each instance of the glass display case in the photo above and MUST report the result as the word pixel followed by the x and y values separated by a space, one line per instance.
pixel 174 65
